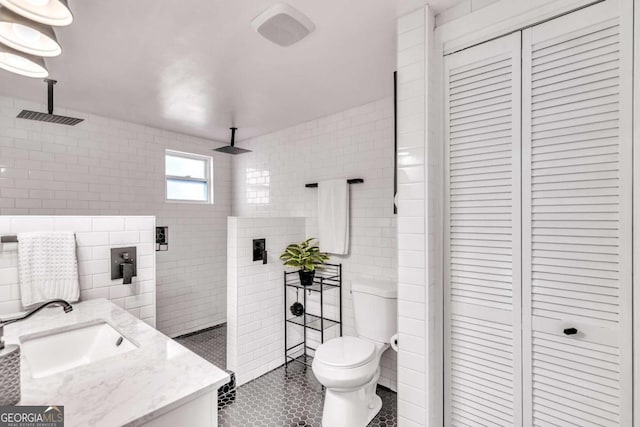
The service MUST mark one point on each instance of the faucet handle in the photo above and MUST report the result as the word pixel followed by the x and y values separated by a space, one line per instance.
pixel 125 256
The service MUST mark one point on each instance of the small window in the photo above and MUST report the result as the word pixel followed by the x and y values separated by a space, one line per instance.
pixel 188 177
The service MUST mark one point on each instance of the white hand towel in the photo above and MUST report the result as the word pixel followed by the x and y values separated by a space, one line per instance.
pixel 48 267
pixel 333 216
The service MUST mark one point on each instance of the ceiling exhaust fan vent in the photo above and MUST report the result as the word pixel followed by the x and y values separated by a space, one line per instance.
pixel 283 25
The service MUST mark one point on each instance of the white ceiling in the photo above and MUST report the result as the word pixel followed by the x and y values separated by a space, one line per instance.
pixel 198 68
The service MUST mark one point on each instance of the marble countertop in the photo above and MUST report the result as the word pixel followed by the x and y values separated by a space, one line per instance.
pixel 124 390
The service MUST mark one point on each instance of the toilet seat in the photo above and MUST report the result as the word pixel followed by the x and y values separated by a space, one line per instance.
pixel 346 352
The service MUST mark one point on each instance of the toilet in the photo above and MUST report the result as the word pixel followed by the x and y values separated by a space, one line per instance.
pixel 349 367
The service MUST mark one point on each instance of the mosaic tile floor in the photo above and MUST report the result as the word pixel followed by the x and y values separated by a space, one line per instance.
pixel 210 344
pixel 282 398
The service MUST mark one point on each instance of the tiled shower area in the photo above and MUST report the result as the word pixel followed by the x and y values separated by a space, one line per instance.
pixel 287 396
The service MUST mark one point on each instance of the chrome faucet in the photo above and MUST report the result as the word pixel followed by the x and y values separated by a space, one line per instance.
pixel 65 306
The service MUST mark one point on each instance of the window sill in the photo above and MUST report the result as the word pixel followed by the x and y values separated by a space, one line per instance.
pixel 189 202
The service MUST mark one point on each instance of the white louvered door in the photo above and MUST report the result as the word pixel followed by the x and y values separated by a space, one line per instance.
pixel 577 220
pixel 482 242
pixel 538 225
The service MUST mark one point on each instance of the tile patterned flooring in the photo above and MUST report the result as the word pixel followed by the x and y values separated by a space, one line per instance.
pixel 210 344
pixel 284 397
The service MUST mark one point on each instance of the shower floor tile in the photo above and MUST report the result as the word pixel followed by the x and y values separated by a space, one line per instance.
pixel 210 344
pixel 284 397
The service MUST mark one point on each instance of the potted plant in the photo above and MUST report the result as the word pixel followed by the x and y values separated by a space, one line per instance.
pixel 307 257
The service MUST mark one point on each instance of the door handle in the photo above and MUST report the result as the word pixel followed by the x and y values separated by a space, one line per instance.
pixel 570 331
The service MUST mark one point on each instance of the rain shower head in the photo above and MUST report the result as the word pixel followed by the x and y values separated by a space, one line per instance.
pixel 50 117
pixel 232 149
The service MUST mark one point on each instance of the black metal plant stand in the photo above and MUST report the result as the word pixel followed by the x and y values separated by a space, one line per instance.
pixel 328 279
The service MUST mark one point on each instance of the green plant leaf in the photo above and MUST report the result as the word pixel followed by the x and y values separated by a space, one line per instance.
pixel 292 264
pixel 305 255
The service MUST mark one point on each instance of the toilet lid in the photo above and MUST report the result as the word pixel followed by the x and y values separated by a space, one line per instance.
pixel 346 352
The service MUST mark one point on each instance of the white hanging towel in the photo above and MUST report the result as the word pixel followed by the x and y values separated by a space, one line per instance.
pixel 333 216
pixel 48 267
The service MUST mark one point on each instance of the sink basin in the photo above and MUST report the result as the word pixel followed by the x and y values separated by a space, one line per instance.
pixel 51 352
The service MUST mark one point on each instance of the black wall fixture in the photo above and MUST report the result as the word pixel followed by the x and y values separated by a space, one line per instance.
pixel 162 238
pixel 395 141
pixel 124 262
pixel 260 250
pixel 349 181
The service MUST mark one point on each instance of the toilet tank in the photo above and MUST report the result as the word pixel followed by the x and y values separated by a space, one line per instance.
pixel 375 308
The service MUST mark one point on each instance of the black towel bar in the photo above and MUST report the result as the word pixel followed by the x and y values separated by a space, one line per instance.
pixel 349 181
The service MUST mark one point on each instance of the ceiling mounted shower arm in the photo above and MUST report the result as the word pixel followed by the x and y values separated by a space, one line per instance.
pixel 233 136
pixel 50 84
pixel 50 117
pixel 231 148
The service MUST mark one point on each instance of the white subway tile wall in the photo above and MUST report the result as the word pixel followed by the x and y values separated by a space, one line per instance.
pixel 94 236
pixel 412 272
pixel 419 223
pixel 356 143
pixel 255 294
pixel 111 167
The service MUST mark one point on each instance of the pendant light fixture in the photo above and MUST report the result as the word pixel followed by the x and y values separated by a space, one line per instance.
pixel 48 12
pixel 22 63
pixel 27 36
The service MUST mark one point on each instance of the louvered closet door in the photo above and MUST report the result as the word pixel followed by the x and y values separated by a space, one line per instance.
pixel 577 220
pixel 482 241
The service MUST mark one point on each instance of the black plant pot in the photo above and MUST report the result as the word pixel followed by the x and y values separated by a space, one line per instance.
pixel 306 277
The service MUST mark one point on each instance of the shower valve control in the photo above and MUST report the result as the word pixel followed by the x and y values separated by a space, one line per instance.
pixel 260 250
pixel 124 264
pixel 162 238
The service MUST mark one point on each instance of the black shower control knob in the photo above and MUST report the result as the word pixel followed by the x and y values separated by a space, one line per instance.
pixel 570 331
